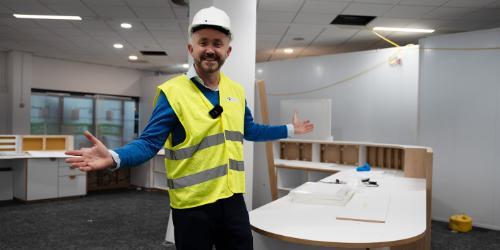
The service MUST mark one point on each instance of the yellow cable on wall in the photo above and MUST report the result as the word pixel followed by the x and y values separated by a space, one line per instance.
pixel 390 60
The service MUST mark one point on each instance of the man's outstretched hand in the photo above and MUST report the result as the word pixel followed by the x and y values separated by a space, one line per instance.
pixel 301 127
pixel 90 159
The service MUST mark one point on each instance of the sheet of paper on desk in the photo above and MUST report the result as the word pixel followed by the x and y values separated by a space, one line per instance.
pixel 367 207
pixel 323 193
pixel 47 154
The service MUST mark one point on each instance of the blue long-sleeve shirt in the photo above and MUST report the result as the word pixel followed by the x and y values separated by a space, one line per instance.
pixel 164 121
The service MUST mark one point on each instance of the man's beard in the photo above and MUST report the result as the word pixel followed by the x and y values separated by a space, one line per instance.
pixel 213 66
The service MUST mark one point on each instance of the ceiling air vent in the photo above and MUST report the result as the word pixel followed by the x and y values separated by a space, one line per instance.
pixel 153 53
pixel 352 20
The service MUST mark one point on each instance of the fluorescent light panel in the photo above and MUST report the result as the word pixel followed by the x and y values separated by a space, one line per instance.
pixel 403 29
pixel 48 17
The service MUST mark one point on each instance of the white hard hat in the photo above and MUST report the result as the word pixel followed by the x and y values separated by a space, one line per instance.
pixel 211 17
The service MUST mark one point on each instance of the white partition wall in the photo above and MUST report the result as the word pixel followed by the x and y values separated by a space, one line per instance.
pixel 459 117
pixel 377 103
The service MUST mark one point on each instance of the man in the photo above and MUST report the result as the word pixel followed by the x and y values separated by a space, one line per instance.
pixel 200 118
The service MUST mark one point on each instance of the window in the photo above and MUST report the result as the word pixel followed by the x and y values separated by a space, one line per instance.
pixel 113 119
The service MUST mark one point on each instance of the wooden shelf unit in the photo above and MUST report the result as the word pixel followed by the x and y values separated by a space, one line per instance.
pixel 329 157
pixel 46 142
pixel 9 145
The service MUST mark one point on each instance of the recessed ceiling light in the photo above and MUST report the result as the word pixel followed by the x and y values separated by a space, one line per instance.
pixel 118 45
pixel 288 50
pixel 404 29
pixel 126 25
pixel 298 38
pixel 185 65
pixel 132 57
pixel 56 17
pixel 260 71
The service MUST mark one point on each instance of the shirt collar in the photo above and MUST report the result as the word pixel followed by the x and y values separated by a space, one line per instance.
pixel 193 76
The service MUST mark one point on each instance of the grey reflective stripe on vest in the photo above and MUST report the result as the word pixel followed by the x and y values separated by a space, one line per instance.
pixel 197 178
pixel 185 153
pixel 236 165
pixel 234 136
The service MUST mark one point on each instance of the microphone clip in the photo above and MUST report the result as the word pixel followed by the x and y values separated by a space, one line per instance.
pixel 216 111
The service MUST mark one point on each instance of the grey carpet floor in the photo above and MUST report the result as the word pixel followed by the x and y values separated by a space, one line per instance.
pixel 125 219
pixel 132 219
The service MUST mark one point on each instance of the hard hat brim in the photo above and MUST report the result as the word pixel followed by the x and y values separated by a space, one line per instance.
pixel 208 26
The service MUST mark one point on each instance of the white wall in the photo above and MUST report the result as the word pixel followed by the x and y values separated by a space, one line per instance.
pixel 149 82
pixel 379 105
pixel 4 107
pixel 85 77
pixel 459 117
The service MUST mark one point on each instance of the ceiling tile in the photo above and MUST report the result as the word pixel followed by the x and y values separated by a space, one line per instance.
pixel 113 11
pixel 280 5
pixel 69 32
pixel 495 4
pixel 20 23
pixel 448 13
pixel 92 25
pixel 324 7
pixel 135 34
pixel 165 35
pixel 436 24
pixel 181 13
pixel 104 2
pixel 304 29
pixel 5 10
pixel 153 13
pixel 335 35
pixel 31 8
pixel 468 3
pixel 407 11
pixel 51 24
pixel 423 2
pixel 490 14
pixel 272 28
pixel 367 9
pixel 289 42
pixel 136 24
pixel 76 9
pixel 162 24
pixel 390 22
pixel 57 2
pixel 275 16
pixel 149 3
pixel 310 18
pixel 377 1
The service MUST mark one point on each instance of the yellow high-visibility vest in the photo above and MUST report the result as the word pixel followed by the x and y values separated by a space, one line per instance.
pixel 208 164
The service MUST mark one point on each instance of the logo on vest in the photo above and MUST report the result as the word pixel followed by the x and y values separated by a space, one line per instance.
pixel 232 99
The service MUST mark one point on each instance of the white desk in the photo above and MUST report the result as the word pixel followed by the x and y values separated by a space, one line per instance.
pixel 39 175
pixel 317 225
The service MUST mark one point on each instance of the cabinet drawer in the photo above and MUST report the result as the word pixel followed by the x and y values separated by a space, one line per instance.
pixel 66 170
pixel 72 185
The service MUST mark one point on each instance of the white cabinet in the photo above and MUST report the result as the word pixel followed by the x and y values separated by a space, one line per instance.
pixel 47 178
pixel 42 179
pixel 152 174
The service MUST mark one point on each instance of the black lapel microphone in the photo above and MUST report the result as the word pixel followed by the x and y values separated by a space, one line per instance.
pixel 216 111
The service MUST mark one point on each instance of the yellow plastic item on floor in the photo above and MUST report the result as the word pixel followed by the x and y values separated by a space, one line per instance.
pixel 460 223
